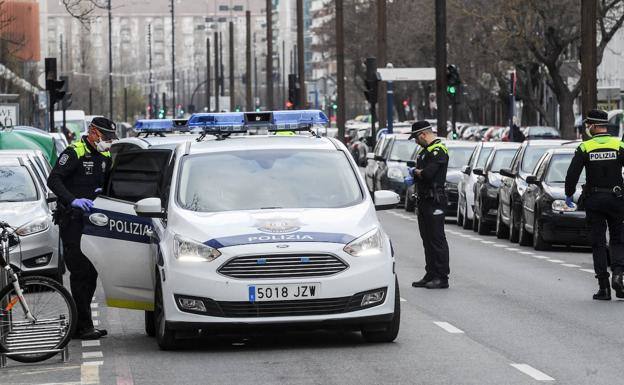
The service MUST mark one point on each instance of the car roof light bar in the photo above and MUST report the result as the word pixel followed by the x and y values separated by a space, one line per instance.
pixel 160 126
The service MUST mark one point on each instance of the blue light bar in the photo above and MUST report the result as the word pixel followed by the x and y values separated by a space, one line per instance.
pixel 240 122
pixel 160 125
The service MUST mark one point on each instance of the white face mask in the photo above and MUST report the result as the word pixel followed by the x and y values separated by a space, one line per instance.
pixel 588 131
pixel 102 146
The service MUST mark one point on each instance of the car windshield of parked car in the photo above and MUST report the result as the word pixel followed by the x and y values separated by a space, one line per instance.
pixel 531 156
pixel 458 156
pixel 403 149
pixel 558 169
pixel 483 155
pixel 502 159
pixel 543 132
pixel 16 184
pixel 273 179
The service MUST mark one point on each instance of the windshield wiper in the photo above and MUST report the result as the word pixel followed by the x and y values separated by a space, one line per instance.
pixel 271 208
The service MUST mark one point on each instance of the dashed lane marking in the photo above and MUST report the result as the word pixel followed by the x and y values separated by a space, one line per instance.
pixel 499 245
pixel 487 242
pixel 94 305
pixel 97 354
pixel 448 327
pixel 89 343
pixel 569 265
pixel 540 256
pixel 94 314
pixel 93 363
pixel 525 252
pixel 588 271
pixel 555 260
pixel 403 299
pixel 532 372
pixel 96 322
pixel 511 249
pixel 90 374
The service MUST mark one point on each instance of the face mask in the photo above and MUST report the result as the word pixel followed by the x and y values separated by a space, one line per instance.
pixel 102 146
pixel 588 131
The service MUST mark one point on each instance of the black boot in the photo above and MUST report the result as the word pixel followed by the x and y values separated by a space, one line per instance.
pixel 618 284
pixel 422 282
pixel 604 293
pixel 438 283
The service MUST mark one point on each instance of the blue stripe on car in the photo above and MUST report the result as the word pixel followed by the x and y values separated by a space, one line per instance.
pixel 249 239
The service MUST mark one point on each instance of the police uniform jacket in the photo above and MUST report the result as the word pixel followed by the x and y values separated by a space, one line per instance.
pixel 433 161
pixel 602 157
pixel 79 171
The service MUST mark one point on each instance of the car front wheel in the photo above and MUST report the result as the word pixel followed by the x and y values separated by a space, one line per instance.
pixel 513 229
pixel 502 231
pixel 165 337
pixel 389 331
pixel 524 237
pixel 539 243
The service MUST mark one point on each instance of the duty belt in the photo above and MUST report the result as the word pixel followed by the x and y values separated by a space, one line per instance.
pixel 617 190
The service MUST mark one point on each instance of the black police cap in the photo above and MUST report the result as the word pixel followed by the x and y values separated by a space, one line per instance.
pixel 419 127
pixel 107 127
pixel 597 117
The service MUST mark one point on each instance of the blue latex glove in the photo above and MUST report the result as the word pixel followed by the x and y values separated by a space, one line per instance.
pixel 82 204
pixel 98 190
pixel 569 202
pixel 408 180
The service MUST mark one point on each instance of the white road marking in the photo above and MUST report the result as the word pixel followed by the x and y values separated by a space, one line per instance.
pixel 448 327
pixel 96 322
pixel 539 256
pixel 512 249
pixel 94 314
pixel 532 372
pixel 588 271
pixel 94 305
pixel 97 354
pixel 487 242
pixel 87 343
pixel 90 374
pixel 499 245
pixel 403 299
pixel 465 235
pixel 569 265
pixel 475 238
pixel 526 252
pixel 555 260
pixel 93 363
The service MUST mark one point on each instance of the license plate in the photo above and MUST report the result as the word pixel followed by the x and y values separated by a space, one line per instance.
pixel 287 292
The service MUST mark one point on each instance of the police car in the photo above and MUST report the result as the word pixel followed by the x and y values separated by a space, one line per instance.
pixel 245 231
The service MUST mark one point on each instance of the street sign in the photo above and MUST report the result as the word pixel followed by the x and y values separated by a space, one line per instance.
pixel 406 74
pixel 9 114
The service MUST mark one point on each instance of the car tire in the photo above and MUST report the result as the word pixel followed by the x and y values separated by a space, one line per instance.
pixel 410 203
pixel 502 231
pixel 475 220
pixel 513 231
pixel 539 243
pixel 165 337
pixel 483 228
pixel 150 324
pixel 460 217
pixel 467 222
pixel 524 237
pixel 390 330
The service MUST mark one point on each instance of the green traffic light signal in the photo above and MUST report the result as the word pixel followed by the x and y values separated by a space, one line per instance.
pixel 452 90
pixel 334 106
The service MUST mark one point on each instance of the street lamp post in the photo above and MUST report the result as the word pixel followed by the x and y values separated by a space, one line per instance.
pixel 173 77
pixel 110 62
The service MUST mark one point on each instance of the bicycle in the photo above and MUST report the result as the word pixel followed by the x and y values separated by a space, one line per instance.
pixel 45 320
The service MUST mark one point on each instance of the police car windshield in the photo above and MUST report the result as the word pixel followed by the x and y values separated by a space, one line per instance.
pixel 458 156
pixel 16 184
pixel 559 168
pixel 272 179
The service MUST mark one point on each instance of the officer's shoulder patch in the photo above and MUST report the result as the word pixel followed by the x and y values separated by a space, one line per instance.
pixel 436 152
pixel 63 159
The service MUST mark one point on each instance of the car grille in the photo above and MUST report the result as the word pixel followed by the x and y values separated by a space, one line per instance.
pixel 282 266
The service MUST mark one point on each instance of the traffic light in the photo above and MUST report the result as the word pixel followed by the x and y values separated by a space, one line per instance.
pixel 293 92
pixel 161 113
pixel 453 82
pixel 334 106
pixel 371 81
pixel 55 87
pixel 66 100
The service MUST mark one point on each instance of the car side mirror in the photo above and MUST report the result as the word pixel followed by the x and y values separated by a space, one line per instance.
pixel 507 172
pixel 379 158
pixel 411 163
pixel 532 179
pixel 51 197
pixel 150 208
pixel 386 200
pixel 370 156
pixel 466 170
pixel 478 171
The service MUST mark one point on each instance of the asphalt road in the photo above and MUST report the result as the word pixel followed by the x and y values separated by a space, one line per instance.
pixel 511 316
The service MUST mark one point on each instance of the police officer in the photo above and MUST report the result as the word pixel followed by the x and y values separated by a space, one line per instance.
pixel 602 156
pixel 77 177
pixel 430 177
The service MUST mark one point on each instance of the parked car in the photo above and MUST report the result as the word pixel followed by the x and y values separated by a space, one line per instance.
pixel 358 144
pixel 546 220
pixel 616 123
pixel 465 188
pixel 541 132
pixel 514 185
pixel 26 204
pixel 459 154
pixel 390 169
pixel 75 121
pixel 488 184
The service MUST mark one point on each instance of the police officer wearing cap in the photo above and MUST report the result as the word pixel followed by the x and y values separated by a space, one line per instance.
pixel 602 157
pixel 430 177
pixel 77 177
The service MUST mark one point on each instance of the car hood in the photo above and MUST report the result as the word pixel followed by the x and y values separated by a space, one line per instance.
pixel 557 191
pixel 17 214
pixel 453 175
pixel 234 228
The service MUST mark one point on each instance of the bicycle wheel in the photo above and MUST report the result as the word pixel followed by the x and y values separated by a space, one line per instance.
pixel 55 313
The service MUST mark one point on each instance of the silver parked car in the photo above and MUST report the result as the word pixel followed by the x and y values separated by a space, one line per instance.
pixel 26 205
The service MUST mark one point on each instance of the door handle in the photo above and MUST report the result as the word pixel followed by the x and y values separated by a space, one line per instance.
pixel 149 233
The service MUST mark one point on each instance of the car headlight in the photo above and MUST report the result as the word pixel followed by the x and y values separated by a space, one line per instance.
pixel 368 244
pixel 33 227
pixel 186 250
pixel 560 205
pixel 395 173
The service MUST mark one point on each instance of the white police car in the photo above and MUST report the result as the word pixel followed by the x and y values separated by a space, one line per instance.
pixel 245 231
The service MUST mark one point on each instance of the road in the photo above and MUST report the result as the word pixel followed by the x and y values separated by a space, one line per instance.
pixel 511 316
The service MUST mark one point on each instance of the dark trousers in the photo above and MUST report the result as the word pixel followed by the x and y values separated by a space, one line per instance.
pixel 431 226
pixel 604 211
pixel 83 276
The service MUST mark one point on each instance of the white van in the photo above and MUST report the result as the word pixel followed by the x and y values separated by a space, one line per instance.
pixel 75 121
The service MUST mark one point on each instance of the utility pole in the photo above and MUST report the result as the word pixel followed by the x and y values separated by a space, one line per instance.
pixel 125 104
pixel 151 72
pixel 221 67
pixel 284 76
pixel 62 53
pixel 208 73
pixel 110 62
pixel 300 57
pixel 232 85
pixel 440 41
pixel 255 78
pixel 341 116
pixel 248 100
pixel 382 43
pixel 588 55
pixel 216 57
pixel 269 58
pixel 173 73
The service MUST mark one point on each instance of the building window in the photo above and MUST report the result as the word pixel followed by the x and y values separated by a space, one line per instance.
pixel 224 8
pixel 238 8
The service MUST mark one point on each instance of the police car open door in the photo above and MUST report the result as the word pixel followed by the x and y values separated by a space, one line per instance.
pixel 120 244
